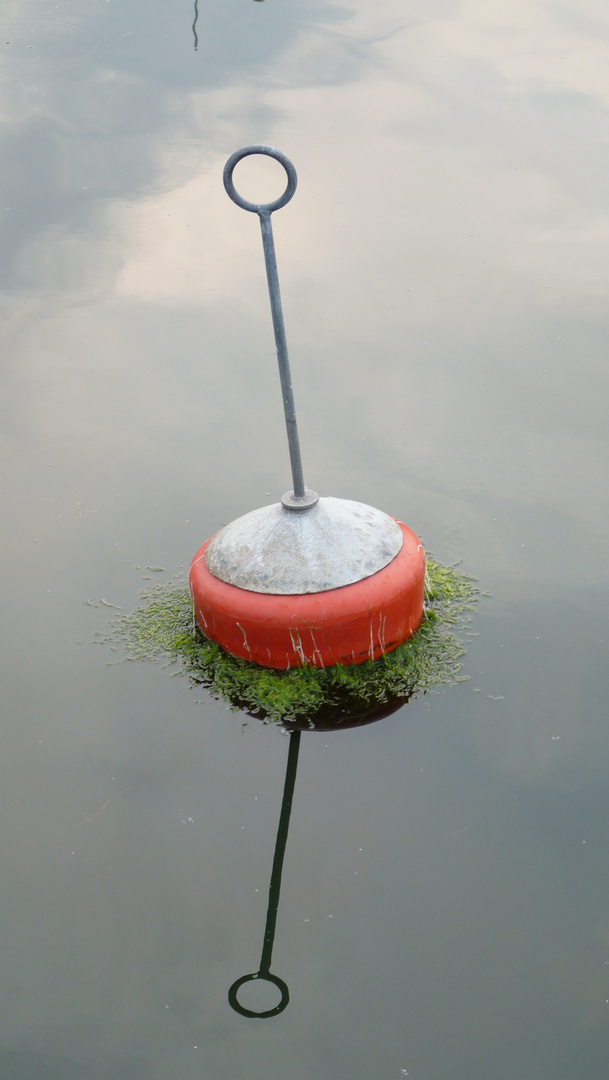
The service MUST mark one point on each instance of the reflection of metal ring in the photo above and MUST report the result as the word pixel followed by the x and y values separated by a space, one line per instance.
pixel 265 977
pixel 258 208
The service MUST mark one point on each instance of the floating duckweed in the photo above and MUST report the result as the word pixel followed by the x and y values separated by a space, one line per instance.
pixel 163 627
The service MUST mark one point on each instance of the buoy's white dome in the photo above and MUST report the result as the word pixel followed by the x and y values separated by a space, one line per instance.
pixel 274 550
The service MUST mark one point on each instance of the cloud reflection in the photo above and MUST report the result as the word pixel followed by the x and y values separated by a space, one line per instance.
pixel 443 263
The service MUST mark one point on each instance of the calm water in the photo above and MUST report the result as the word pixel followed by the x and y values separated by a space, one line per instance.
pixel 445 901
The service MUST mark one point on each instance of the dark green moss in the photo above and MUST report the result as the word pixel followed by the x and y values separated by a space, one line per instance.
pixel 163 628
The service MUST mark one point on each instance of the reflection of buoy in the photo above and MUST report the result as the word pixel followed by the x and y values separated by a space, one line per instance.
pixel 308 580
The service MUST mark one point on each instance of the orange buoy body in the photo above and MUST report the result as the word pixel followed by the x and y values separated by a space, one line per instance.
pixel 345 625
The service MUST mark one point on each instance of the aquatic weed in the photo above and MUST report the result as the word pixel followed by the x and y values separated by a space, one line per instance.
pixel 163 627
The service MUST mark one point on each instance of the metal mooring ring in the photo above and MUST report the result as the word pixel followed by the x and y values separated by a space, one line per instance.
pixel 259 208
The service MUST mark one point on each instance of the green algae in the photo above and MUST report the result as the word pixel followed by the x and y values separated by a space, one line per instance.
pixel 163 628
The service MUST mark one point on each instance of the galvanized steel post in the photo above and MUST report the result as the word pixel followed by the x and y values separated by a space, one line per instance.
pixel 300 498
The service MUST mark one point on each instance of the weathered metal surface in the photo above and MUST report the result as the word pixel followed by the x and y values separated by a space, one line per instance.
pixel 336 542
pixel 299 502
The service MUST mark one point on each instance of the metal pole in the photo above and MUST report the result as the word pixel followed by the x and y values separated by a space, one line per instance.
pixel 301 497
pixel 282 354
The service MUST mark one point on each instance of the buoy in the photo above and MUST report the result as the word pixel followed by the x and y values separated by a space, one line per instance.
pixel 309 580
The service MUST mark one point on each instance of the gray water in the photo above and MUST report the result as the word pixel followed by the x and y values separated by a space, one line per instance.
pixel 444 910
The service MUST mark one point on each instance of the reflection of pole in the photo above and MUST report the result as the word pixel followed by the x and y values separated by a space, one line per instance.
pixel 264 971
pixel 194 25
pixel 282 836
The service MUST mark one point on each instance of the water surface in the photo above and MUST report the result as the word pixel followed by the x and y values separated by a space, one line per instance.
pixel 444 898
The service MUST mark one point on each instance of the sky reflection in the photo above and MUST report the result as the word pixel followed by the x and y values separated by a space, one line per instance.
pixel 443 272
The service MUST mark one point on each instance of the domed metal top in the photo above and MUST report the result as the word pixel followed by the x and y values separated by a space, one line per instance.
pixel 273 550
